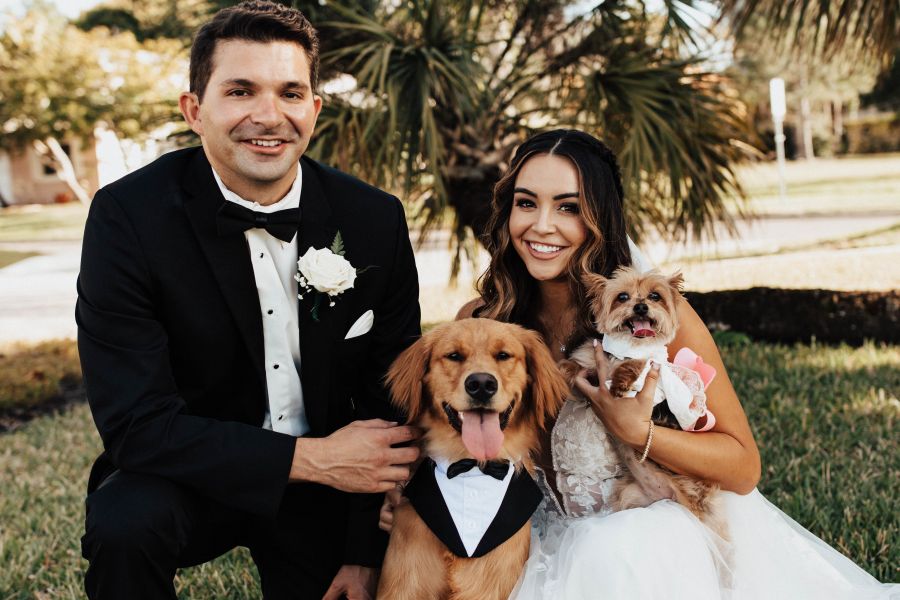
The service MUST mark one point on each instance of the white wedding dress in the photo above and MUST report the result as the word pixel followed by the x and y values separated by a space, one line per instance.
pixel 581 551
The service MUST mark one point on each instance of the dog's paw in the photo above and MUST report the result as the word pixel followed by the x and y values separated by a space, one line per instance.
pixel 624 377
pixel 569 369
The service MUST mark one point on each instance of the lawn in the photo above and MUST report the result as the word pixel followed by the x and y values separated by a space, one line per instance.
pixel 851 184
pixel 8 257
pixel 42 222
pixel 824 418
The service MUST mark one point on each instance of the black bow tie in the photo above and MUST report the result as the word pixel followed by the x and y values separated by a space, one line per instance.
pixel 495 468
pixel 233 218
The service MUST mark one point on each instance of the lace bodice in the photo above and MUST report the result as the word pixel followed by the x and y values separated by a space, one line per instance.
pixel 584 458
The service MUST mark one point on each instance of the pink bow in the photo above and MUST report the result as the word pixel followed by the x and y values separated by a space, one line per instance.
pixel 689 359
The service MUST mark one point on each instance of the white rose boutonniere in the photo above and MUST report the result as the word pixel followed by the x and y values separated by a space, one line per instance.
pixel 325 271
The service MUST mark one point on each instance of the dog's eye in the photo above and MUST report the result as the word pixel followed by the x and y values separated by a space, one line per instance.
pixel 654 296
pixel 455 357
pixel 502 356
pixel 623 297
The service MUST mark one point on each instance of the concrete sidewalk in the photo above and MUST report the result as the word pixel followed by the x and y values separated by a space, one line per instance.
pixel 37 295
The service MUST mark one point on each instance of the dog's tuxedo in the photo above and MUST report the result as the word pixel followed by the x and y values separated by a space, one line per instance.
pixel 172 348
pixel 512 500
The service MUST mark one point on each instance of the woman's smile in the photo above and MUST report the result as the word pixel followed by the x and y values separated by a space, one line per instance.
pixel 544 251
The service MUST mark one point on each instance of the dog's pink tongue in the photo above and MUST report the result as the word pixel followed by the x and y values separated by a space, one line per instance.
pixel 481 433
pixel 642 329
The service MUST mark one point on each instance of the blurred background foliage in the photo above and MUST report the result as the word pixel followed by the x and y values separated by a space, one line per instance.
pixel 428 98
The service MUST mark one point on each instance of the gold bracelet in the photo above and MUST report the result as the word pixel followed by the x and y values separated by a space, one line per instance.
pixel 647 447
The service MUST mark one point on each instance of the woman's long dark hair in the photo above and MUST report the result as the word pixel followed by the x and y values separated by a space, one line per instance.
pixel 507 290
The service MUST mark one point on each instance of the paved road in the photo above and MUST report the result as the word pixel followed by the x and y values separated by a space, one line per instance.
pixel 37 295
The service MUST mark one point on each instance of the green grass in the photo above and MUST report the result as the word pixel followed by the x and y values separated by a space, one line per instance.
pixel 43 222
pixel 824 418
pixel 847 185
pixel 8 257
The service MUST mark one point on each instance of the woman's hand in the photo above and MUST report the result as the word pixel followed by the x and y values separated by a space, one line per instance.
pixel 626 418
pixel 392 499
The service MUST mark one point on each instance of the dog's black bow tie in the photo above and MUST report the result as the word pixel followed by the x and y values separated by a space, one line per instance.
pixel 233 218
pixel 495 468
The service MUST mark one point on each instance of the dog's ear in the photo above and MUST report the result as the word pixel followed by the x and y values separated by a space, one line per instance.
pixel 594 283
pixel 404 378
pixel 676 282
pixel 548 387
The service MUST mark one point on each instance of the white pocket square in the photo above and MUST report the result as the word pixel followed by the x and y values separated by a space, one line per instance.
pixel 362 325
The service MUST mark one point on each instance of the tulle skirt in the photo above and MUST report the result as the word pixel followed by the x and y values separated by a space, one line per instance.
pixel 663 551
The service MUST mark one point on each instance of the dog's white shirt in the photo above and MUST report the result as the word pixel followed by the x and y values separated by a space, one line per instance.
pixel 473 500
pixel 670 387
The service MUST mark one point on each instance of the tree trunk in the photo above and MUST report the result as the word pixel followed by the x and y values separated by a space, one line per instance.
pixel 837 122
pixel 53 151
pixel 806 129
pixel 471 197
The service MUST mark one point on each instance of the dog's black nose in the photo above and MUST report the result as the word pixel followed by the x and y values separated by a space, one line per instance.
pixel 481 386
pixel 641 309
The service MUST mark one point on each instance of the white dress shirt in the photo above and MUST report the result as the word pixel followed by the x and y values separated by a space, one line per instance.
pixel 473 500
pixel 274 265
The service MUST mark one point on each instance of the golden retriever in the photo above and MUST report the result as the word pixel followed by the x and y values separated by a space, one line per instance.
pixel 482 390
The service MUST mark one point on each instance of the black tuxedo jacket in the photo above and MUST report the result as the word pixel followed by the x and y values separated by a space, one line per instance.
pixel 171 341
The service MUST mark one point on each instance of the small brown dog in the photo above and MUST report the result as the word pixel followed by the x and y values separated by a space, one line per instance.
pixel 635 312
pixel 482 390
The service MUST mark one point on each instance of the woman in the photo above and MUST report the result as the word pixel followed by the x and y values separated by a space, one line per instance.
pixel 557 213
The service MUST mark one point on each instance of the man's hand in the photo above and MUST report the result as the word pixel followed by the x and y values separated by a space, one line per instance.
pixel 358 457
pixel 354 583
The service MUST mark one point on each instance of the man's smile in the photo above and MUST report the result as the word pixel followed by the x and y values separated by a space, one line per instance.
pixel 266 147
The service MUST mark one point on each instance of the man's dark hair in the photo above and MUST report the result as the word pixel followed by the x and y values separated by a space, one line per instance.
pixel 255 21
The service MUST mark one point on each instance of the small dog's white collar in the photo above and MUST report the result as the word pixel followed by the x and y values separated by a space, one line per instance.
pixel 624 349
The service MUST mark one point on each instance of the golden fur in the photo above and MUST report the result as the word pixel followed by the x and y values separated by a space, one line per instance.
pixel 430 373
pixel 647 482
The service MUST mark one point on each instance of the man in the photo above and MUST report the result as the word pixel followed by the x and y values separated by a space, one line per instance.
pixel 225 404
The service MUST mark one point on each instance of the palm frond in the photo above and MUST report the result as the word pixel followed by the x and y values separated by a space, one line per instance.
pixel 676 130
pixel 870 28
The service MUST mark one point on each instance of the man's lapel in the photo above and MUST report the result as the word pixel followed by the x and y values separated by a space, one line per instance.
pixel 317 338
pixel 228 257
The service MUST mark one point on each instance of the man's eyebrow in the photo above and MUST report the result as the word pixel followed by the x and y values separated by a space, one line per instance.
pixel 563 196
pixel 238 82
pixel 295 85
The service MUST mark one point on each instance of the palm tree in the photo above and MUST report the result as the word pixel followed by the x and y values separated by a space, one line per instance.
pixel 439 92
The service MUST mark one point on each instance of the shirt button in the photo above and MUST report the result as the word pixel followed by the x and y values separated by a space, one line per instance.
pixel 275 366
pixel 270 311
pixel 261 254
pixel 280 417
